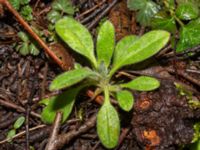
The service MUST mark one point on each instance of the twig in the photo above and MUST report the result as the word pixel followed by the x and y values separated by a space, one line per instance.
pixel 23 133
pixel 65 138
pixel 51 145
pixel 98 18
pixel 184 75
pixel 10 104
pixel 91 9
pixel 33 34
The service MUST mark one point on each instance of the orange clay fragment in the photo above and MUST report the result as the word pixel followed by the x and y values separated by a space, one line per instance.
pixel 151 136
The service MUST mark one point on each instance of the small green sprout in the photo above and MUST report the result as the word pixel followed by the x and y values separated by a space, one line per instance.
pixel 23 7
pixel 18 123
pixel 109 58
pixel 60 8
pixel 26 46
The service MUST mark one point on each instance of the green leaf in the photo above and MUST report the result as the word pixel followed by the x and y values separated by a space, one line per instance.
pixel 121 49
pixel 26 12
pixel 10 134
pixel 77 37
pixel 108 126
pixel 136 4
pixel 144 15
pixel 145 47
pixel 63 102
pixel 189 36
pixel 53 16
pixel 105 43
pixel 142 83
pixel 187 11
pixel 15 4
pixel 23 2
pixel 24 50
pixel 33 49
pixel 63 6
pixel 125 100
pixel 19 122
pixel 69 78
pixel 23 36
pixel 164 22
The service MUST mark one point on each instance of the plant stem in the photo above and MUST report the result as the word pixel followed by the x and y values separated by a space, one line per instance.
pixel 106 95
pixel 179 21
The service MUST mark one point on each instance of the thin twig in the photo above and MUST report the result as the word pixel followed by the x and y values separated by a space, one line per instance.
pixel 10 104
pixel 51 145
pixel 67 137
pixel 98 18
pixel 91 9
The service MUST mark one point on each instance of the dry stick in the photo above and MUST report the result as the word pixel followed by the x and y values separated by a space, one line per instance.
pixel 51 145
pixel 98 18
pixel 91 9
pixel 22 133
pixel 65 138
pixel 33 34
pixel 184 75
pixel 10 104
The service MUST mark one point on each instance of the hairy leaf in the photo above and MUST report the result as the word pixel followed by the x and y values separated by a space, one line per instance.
pixel 108 126
pixel 63 102
pixel 142 83
pixel 125 100
pixel 145 47
pixel 19 122
pixel 189 36
pixel 77 37
pixel 24 49
pixel 105 43
pixel 69 78
pixel 187 11
pixel 121 49
pixel 23 36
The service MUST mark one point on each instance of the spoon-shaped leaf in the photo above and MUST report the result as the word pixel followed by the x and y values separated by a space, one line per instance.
pixel 69 78
pixel 19 122
pixel 105 43
pixel 122 47
pixel 77 37
pixel 63 102
pixel 142 83
pixel 125 100
pixel 145 47
pixel 108 126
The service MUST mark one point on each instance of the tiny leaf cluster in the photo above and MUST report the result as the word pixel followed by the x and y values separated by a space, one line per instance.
pixel 60 8
pixel 105 59
pixel 23 7
pixel 182 16
pixel 26 46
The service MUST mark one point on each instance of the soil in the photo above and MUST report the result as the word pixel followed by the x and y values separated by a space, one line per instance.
pixel 161 119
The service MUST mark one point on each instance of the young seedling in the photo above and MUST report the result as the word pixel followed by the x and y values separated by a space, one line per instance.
pixel 23 7
pixel 60 8
pixel 166 15
pixel 18 123
pixel 109 58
